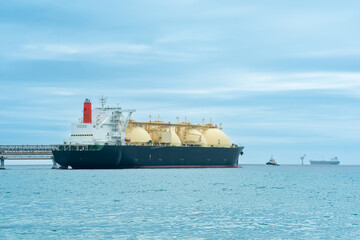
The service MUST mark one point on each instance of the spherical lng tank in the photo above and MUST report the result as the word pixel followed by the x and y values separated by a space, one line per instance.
pixel 175 140
pixel 216 138
pixel 137 135
pixel 155 132
pixel 193 137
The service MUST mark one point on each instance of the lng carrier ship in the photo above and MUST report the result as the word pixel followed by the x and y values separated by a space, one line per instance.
pixel 108 138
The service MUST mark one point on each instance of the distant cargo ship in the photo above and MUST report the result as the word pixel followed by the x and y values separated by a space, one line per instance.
pixel 333 161
pixel 107 138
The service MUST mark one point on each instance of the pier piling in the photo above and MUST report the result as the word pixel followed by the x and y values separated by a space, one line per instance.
pixel 2 163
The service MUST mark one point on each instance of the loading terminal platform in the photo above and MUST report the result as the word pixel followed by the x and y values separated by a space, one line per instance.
pixel 27 152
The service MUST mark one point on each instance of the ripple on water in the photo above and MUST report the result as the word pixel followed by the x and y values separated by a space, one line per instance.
pixel 253 202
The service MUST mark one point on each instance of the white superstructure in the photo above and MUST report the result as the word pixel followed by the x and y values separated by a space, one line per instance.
pixel 101 126
pixel 113 126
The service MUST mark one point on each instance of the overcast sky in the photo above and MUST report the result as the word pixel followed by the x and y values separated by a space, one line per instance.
pixel 283 77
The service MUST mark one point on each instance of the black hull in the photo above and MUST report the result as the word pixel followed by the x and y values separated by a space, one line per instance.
pixel 113 157
pixel 324 162
pixel 272 164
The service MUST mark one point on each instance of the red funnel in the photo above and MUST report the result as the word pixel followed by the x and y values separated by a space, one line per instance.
pixel 87 111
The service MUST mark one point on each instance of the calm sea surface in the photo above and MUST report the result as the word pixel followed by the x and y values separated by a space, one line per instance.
pixel 253 202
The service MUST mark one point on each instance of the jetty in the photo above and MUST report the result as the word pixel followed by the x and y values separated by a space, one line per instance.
pixel 27 152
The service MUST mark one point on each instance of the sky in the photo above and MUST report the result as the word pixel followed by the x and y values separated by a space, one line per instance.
pixel 283 77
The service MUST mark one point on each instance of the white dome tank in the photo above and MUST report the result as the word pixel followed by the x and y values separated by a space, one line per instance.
pixel 137 135
pixel 175 140
pixel 216 138
pixel 194 137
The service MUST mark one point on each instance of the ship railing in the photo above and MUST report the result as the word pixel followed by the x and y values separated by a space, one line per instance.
pixel 73 147
pixel 27 148
pixel 79 147
pixel 13 153
pixel 29 157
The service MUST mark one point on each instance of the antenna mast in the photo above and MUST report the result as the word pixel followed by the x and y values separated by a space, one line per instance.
pixel 102 100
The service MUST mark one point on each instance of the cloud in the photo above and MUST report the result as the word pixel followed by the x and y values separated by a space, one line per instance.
pixel 226 83
pixel 53 50
pixel 229 83
pixel 213 85
pixel 58 91
pixel 223 85
pixel 120 53
pixel 265 140
pixel 230 11
pixel 274 82
pixel 187 36
pixel 355 52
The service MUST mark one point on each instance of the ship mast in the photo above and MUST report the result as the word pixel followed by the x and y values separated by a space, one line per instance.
pixel 102 100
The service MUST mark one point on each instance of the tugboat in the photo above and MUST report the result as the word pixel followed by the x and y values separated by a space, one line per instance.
pixel 272 162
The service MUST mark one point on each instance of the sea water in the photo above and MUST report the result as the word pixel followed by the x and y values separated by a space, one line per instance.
pixel 253 202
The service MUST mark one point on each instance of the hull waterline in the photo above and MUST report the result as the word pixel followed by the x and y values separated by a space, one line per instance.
pixel 133 156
